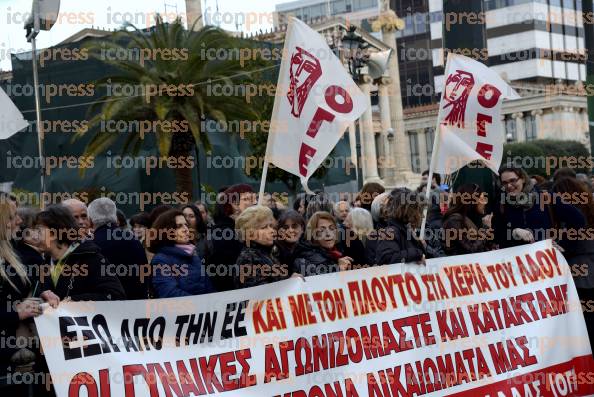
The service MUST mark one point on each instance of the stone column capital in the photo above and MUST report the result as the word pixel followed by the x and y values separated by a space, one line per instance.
pixel 384 81
pixel 536 112
pixel 518 115
pixel 365 79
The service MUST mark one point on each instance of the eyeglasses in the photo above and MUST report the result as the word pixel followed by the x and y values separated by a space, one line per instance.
pixel 512 181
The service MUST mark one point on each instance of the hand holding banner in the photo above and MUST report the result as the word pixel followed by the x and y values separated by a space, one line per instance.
pixel 500 323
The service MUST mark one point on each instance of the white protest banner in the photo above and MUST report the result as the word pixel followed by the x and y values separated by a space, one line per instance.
pixel 11 119
pixel 469 120
pixel 500 323
pixel 316 100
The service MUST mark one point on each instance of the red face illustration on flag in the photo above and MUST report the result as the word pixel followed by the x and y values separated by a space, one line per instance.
pixel 457 90
pixel 305 70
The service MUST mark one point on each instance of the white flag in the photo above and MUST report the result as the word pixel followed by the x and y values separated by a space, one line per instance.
pixel 11 119
pixel 469 120
pixel 316 100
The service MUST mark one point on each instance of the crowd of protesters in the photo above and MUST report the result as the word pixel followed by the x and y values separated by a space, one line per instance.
pixel 76 252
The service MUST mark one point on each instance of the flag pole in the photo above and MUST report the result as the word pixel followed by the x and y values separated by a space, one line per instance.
pixel 430 180
pixel 274 114
pixel 263 180
pixel 436 142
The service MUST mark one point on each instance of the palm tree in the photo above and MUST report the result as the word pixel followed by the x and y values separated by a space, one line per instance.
pixel 191 75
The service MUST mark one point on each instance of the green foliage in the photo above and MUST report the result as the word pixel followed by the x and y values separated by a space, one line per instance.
pixel 544 157
pixel 193 100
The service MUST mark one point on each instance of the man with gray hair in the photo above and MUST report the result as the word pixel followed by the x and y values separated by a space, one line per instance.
pixel 341 211
pixel 78 209
pixel 103 211
pixel 125 254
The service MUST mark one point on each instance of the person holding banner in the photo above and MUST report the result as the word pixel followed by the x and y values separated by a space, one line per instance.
pixel 527 214
pixel 17 307
pixel 176 267
pixel 464 231
pixel 318 254
pixel 77 268
pixel 256 264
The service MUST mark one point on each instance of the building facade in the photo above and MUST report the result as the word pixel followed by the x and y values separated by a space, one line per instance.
pixel 356 11
pixel 536 45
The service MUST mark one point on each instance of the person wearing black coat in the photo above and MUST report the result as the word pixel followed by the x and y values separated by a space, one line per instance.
pixel 397 242
pixel 124 253
pixel 224 245
pixel 17 306
pixel 318 253
pixel 579 252
pixel 524 214
pixel 77 268
pixel 256 264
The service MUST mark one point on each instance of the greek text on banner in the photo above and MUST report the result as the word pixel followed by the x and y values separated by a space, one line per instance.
pixel 500 323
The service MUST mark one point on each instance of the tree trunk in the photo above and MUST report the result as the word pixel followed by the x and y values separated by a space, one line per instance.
pixel 183 179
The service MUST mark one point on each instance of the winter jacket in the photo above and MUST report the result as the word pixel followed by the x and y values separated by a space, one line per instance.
pixel 539 218
pixel 177 273
pixel 580 257
pixel 9 319
pixel 312 260
pixel 462 236
pixel 257 266
pixel 224 248
pixel 30 257
pixel 122 249
pixel 401 248
pixel 84 277
pixel 350 245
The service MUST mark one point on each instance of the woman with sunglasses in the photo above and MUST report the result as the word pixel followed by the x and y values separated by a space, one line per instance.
pixel 526 213
pixel 464 230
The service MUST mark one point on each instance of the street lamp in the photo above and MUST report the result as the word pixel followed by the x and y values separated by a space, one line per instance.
pixel 355 47
pixel 44 14
pixel 390 133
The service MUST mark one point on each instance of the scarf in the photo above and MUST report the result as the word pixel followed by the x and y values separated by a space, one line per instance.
pixel 187 248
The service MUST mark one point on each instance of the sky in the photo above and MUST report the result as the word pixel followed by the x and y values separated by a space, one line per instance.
pixel 110 14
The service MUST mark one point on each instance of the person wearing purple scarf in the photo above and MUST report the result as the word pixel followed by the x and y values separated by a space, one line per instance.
pixel 177 267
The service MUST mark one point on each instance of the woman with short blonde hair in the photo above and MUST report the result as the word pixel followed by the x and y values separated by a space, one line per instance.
pixel 250 220
pixel 256 264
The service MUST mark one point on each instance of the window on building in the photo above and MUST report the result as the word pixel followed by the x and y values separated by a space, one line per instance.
pixel 338 7
pixel 420 21
pixel 510 129
pixel 429 138
pixel 414 151
pixel 363 4
pixel 530 121
pixel 568 4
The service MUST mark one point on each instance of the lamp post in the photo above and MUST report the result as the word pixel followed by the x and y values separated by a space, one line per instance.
pixel 355 47
pixel 44 14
